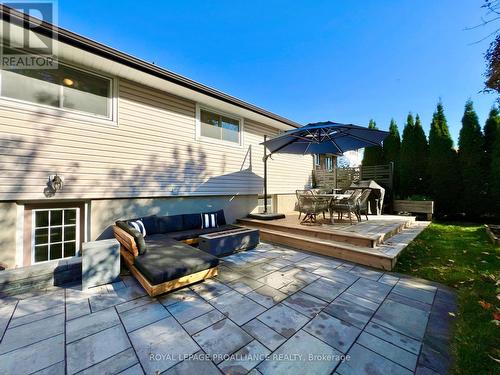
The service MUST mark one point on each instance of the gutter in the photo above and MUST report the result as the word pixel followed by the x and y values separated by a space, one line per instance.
pixel 13 16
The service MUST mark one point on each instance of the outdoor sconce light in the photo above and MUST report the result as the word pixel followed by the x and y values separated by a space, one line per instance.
pixel 56 182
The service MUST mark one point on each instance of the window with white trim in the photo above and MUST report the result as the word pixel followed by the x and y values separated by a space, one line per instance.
pixel 317 160
pixel 328 163
pixel 55 234
pixel 66 88
pixel 219 126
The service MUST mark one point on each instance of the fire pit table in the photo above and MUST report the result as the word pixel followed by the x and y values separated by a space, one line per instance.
pixel 229 241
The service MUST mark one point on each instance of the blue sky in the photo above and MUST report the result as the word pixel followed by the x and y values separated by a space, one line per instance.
pixel 346 61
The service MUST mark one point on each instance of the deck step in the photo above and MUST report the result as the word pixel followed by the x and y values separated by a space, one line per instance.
pixel 359 254
pixel 317 232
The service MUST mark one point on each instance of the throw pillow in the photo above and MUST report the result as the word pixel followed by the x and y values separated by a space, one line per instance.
pixel 139 226
pixel 209 220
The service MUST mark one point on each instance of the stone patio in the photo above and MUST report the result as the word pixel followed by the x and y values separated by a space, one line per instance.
pixel 272 310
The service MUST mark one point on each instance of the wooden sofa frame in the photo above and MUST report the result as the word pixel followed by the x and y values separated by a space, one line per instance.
pixel 128 251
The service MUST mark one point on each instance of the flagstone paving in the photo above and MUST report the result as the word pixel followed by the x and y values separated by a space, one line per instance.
pixel 271 310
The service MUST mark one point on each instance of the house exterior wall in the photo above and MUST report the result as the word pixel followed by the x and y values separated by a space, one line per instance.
pixel 149 161
pixel 150 152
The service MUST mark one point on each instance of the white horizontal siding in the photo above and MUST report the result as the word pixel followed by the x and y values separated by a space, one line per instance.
pixel 152 152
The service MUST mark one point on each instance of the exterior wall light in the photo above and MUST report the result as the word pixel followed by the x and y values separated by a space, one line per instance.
pixel 56 182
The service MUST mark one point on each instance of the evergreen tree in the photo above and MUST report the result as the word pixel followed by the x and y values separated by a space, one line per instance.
pixel 491 127
pixel 470 155
pixel 413 159
pixel 444 181
pixel 392 147
pixel 495 175
pixel 373 155
pixel 421 159
pixel 407 158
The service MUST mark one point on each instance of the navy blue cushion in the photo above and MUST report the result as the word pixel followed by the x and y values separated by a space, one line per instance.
pixel 172 223
pixel 150 223
pixel 191 221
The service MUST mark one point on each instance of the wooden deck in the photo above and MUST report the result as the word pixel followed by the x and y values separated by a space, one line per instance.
pixel 375 242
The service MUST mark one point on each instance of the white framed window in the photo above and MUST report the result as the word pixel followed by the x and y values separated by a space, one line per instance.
pixel 328 163
pixel 219 127
pixel 55 234
pixel 67 88
pixel 317 160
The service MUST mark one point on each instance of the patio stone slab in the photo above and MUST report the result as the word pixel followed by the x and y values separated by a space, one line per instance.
pixel 283 319
pixel 364 361
pixel 298 275
pixel 265 335
pixel 24 335
pixel 17 321
pixel 402 318
pixel 409 302
pixel 168 299
pixel 134 370
pixel 335 332
pixel 245 359
pixel 267 296
pixel 280 263
pixel 189 308
pixel 39 303
pixel 87 325
pixel 203 321
pixel 305 303
pixel 349 312
pixel 96 348
pixel 134 303
pixel 209 289
pixel 394 337
pixel 221 339
pixel 245 285
pixel 292 287
pixel 197 365
pixel 260 270
pixel 161 345
pixel 369 304
pixel 113 365
pixel 293 357
pixel 34 357
pixel 388 279
pixel 388 350
pixel 325 289
pixel 414 292
pixel 237 307
pixel 277 279
pixel 143 315
pixel 366 273
pixel 5 315
pixel 370 289
pixel 336 275
pixel 58 368
pixel 77 309
pixel 227 275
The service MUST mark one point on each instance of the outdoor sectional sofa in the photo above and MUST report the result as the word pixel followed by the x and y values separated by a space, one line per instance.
pixel 163 259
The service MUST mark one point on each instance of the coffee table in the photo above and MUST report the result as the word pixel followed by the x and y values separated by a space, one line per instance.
pixel 229 241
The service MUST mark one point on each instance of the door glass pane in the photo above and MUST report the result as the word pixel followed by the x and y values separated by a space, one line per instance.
pixel 41 236
pixel 69 249
pixel 56 251
pixel 85 92
pixel 55 234
pixel 41 253
pixel 55 217
pixel 230 130
pixel 70 216
pixel 41 218
pixel 69 233
pixel 210 125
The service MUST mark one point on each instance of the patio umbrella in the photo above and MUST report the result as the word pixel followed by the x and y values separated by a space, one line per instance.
pixel 320 138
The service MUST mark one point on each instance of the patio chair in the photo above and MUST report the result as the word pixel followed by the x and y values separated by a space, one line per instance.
pixel 310 205
pixel 347 205
pixel 363 204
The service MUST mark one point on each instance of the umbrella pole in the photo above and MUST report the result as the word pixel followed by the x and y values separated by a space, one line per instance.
pixel 265 176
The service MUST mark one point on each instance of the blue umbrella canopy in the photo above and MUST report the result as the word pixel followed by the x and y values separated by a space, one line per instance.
pixel 325 138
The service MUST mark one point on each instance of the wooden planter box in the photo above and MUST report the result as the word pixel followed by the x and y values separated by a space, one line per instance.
pixel 493 237
pixel 415 207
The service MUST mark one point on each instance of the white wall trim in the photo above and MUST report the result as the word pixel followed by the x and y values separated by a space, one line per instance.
pixel 19 235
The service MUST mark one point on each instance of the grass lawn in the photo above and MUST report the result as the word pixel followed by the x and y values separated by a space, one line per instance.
pixel 460 256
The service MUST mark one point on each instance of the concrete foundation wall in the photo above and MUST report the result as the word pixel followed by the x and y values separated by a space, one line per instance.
pixel 104 213
pixel 286 203
pixel 8 216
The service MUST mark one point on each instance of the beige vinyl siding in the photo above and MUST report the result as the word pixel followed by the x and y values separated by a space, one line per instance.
pixel 150 152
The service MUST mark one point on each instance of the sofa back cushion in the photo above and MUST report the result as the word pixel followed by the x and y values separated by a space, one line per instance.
pixel 151 224
pixel 191 221
pixel 172 223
